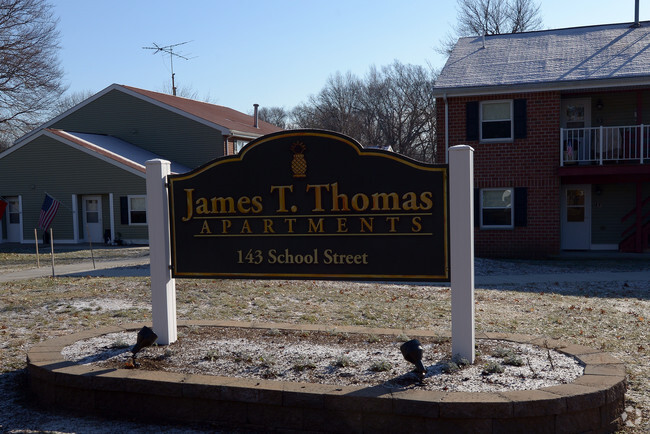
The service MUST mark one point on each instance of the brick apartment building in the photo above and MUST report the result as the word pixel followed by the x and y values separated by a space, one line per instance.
pixel 559 121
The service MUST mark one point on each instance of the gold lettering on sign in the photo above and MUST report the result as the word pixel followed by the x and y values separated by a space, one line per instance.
pixel 282 196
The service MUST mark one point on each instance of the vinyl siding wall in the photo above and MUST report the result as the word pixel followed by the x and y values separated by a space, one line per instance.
pixel 46 165
pixel 169 135
pixel 607 209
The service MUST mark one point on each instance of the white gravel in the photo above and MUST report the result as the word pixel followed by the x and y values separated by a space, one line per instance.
pixel 303 361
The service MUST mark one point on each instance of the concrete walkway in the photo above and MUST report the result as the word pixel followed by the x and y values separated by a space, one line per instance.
pixel 601 276
pixel 112 268
pixel 140 267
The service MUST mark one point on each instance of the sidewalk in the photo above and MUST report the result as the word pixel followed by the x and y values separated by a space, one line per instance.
pixel 602 276
pixel 140 267
pixel 112 268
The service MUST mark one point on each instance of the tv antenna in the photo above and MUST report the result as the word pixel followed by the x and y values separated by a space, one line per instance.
pixel 169 49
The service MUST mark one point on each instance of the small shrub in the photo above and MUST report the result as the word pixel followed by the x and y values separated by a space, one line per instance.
pixel 243 356
pixel 344 362
pixel 267 360
pixel 460 361
pixel 502 353
pixel 373 339
pixel 304 363
pixel 492 368
pixel 513 360
pixel 402 338
pixel 450 368
pixel 381 366
pixel 212 355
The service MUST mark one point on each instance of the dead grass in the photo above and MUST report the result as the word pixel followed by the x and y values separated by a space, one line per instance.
pixel 604 315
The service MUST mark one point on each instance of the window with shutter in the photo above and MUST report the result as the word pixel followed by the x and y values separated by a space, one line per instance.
pixel 496 208
pixel 496 120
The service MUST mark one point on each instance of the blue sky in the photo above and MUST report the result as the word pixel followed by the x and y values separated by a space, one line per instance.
pixel 274 53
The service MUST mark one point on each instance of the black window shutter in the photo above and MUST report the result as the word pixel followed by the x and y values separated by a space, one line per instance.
pixel 521 206
pixel 519 111
pixel 471 120
pixel 477 207
pixel 124 210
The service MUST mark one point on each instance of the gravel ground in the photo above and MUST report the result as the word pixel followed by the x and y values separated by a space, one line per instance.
pixel 342 359
pixel 607 315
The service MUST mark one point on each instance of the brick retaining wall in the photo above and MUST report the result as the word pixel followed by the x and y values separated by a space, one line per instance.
pixel 592 403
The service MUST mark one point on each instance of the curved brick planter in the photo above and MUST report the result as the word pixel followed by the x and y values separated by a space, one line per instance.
pixel 592 403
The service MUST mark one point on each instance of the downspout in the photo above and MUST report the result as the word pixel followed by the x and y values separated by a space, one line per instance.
pixel 446 129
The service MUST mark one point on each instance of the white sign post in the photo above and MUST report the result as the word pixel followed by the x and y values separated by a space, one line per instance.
pixel 163 286
pixel 461 227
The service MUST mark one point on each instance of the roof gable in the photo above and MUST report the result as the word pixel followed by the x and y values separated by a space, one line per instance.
pixel 110 149
pixel 236 122
pixel 599 55
pixel 227 121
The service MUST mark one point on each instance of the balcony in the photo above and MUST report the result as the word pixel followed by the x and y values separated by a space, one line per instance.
pixel 605 145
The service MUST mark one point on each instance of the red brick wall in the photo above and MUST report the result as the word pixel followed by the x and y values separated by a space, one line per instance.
pixel 530 163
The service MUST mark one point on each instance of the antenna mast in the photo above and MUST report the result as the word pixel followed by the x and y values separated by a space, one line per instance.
pixel 169 49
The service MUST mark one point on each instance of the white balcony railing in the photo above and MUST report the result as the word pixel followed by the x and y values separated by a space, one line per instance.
pixel 605 145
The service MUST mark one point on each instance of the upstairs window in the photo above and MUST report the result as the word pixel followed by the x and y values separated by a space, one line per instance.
pixel 496 120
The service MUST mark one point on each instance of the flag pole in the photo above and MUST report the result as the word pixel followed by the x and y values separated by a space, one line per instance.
pixel 38 259
pixel 52 250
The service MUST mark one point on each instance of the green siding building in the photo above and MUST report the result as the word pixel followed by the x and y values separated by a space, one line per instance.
pixel 92 160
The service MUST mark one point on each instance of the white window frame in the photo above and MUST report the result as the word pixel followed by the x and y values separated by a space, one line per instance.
pixel 138 196
pixel 512 121
pixel 239 144
pixel 14 209
pixel 512 208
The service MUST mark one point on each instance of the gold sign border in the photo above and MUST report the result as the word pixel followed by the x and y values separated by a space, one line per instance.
pixel 310 133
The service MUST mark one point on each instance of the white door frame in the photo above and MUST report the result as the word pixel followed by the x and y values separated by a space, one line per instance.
pixel 576 234
pixel 584 138
pixel 586 102
pixel 15 230
pixel 92 227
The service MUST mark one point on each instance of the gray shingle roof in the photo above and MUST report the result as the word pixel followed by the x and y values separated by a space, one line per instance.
pixel 560 58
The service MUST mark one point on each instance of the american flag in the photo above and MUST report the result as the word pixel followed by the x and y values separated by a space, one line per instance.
pixel 48 211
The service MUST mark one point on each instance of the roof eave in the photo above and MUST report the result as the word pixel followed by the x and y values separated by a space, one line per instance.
pixel 245 135
pixel 223 130
pixel 541 87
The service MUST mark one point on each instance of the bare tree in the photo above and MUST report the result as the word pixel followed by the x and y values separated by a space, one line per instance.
pixel 392 108
pixel 524 15
pixel 277 116
pixel 67 101
pixel 334 108
pixel 492 17
pixel 399 99
pixel 30 74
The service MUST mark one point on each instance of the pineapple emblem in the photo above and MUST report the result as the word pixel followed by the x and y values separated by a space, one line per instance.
pixel 298 163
